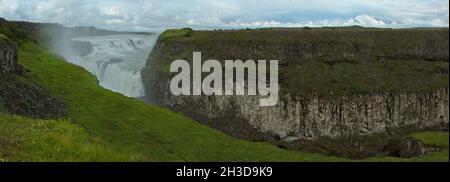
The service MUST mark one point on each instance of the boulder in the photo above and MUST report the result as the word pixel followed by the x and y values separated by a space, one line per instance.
pixel 406 148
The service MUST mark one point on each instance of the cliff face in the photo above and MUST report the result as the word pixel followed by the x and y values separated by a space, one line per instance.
pixel 333 83
pixel 8 57
pixel 19 95
pixel 312 116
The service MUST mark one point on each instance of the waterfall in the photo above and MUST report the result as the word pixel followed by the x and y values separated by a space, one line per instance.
pixel 116 61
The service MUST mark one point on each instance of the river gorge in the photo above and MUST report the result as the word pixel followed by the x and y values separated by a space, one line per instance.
pixel 334 83
pixel 116 61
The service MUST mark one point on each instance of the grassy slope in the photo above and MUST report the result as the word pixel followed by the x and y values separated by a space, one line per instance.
pixel 321 74
pixel 131 126
pixel 12 32
pixel 24 139
pixel 439 139
pixel 3 38
pixel 154 134
pixel 124 124
pixel 172 33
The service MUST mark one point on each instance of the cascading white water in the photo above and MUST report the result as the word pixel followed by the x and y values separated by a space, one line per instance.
pixel 117 60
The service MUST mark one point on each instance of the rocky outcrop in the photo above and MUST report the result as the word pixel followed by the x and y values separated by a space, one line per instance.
pixel 334 83
pixel 21 96
pixel 8 58
pixel 408 147
pixel 30 100
pixel 311 116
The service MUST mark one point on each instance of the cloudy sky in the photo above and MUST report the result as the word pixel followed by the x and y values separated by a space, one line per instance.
pixel 160 14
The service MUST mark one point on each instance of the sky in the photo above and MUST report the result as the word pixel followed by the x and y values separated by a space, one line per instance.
pixel 147 15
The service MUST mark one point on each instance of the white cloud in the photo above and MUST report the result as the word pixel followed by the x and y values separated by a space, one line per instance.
pixel 366 21
pixel 7 8
pixel 111 11
pixel 151 14
pixel 361 20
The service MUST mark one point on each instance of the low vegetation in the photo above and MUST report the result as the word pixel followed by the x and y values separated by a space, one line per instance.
pixel 325 61
pixel 3 38
pixel 107 126
pixel 130 126
pixel 172 33
pixel 24 139
pixel 437 139
pixel 13 32
pixel 20 96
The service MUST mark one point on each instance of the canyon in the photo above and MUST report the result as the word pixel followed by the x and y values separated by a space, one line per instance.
pixel 114 57
pixel 396 77
pixel 334 82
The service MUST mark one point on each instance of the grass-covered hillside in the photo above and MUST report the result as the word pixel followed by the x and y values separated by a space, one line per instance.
pixel 13 32
pixel 24 139
pixel 130 126
pixel 105 126
pixel 3 38
pixel 324 61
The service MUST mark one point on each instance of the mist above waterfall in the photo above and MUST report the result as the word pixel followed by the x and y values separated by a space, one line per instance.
pixel 116 60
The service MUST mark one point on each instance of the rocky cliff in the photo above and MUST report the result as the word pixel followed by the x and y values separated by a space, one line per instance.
pixel 8 57
pixel 18 94
pixel 334 82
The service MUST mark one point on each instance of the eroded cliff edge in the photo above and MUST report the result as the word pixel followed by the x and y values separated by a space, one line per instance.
pixel 18 94
pixel 334 81
pixel 8 56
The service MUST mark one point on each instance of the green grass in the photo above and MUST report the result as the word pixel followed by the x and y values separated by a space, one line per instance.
pixel 130 126
pixel 24 139
pixel 325 61
pixel 3 38
pixel 171 33
pixel 106 126
pixel 438 139
pixel 13 32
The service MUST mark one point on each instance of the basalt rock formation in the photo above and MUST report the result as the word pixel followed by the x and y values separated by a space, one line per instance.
pixel 334 82
pixel 8 58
